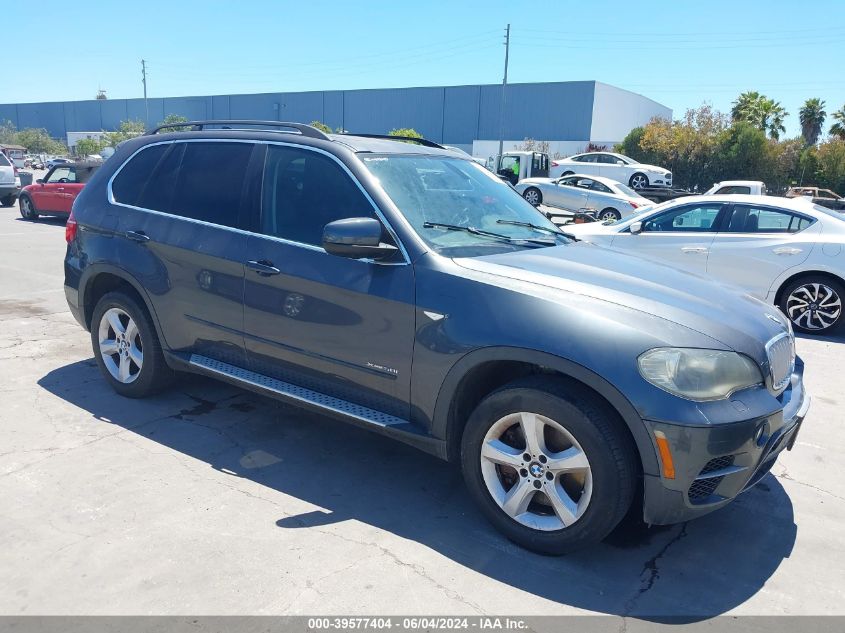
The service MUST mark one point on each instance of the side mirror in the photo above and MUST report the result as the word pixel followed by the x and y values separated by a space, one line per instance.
pixel 356 238
pixel 620 162
pixel 636 228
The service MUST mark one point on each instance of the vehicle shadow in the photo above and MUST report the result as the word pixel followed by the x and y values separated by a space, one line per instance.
pixel 687 572
pixel 47 219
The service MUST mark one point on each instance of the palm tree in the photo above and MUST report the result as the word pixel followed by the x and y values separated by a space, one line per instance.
pixel 760 111
pixel 772 115
pixel 746 106
pixel 838 128
pixel 812 117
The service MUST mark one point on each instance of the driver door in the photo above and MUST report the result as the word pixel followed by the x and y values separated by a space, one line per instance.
pixel 680 237
pixel 47 196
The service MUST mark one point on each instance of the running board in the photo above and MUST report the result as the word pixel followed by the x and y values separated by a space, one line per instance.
pixel 295 392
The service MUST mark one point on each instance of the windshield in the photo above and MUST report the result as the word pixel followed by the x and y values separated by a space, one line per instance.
pixel 459 208
pixel 839 215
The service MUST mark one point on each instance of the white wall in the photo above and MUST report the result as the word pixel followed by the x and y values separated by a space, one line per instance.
pixel 616 112
pixel 74 137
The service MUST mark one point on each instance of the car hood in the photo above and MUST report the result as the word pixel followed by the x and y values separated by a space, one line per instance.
pixel 644 167
pixel 738 321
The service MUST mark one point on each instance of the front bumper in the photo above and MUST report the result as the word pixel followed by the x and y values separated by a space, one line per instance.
pixel 714 464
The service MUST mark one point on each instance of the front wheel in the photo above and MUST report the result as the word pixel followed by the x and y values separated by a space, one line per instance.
pixel 550 469
pixel 638 181
pixel 533 196
pixel 813 304
pixel 28 211
pixel 127 348
pixel 609 215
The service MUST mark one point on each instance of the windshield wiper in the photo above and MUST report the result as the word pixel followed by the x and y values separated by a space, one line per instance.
pixel 474 231
pixel 537 227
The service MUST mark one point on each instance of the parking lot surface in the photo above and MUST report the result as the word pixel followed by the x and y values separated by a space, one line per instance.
pixel 211 500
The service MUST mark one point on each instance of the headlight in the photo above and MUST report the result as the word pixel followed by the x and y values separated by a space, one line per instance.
pixel 698 374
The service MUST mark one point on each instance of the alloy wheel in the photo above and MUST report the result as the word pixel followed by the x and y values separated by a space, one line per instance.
pixel 814 306
pixel 638 181
pixel 26 208
pixel 536 471
pixel 609 215
pixel 120 345
pixel 532 196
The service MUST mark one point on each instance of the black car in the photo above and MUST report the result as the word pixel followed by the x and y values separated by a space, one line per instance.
pixel 401 287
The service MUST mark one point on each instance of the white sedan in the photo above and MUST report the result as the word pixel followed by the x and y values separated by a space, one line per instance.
pixel 606 198
pixel 615 166
pixel 789 252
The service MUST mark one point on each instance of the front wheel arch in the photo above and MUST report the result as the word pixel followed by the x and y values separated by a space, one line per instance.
pixel 448 422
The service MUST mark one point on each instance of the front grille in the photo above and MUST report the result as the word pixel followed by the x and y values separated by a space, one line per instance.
pixel 781 355
pixel 704 486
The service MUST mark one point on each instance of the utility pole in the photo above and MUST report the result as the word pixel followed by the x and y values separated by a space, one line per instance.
pixel 144 81
pixel 504 85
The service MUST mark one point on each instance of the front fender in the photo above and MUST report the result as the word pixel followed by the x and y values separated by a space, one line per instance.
pixel 444 428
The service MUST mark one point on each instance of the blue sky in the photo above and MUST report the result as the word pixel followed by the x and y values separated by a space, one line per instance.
pixel 680 53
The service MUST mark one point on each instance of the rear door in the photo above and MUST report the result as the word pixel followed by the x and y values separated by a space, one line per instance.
pixel 756 244
pixel 338 326
pixel 184 205
pixel 680 236
pixel 7 172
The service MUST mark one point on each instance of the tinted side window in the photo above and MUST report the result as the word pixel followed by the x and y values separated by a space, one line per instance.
pixel 698 218
pixel 132 179
pixel 304 191
pixel 83 174
pixel 4 162
pixel 597 186
pixel 748 219
pixel 211 181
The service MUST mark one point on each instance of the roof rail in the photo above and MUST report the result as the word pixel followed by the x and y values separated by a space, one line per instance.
pixel 198 126
pixel 412 139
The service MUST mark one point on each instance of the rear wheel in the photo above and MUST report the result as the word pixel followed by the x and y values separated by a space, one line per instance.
pixel 550 469
pixel 533 196
pixel 127 348
pixel 8 201
pixel 814 304
pixel 609 214
pixel 638 181
pixel 27 209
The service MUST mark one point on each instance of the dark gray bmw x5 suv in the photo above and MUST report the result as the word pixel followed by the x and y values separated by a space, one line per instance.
pixel 403 288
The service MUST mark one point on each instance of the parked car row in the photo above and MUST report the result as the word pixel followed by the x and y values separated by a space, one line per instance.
pixel 406 289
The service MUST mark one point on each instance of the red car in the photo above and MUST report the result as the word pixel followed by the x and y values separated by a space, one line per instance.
pixel 54 194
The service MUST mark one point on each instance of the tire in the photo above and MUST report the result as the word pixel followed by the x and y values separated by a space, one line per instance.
pixel 136 349
pixel 814 304
pixel 609 214
pixel 8 201
pixel 603 465
pixel 533 195
pixel 27 209
pixel 638 181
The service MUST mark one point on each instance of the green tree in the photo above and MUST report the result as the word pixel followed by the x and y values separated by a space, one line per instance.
pixel 405 131
pixel 812 117
pixel 171 119
pixel 39 141
pixel 764 113
pixel 838 128
pixel 321 126
pixel 831 165
pixel 87 146
pixel 126 130
pixel 742 152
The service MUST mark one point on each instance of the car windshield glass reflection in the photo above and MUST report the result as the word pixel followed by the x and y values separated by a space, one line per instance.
pixel 434 191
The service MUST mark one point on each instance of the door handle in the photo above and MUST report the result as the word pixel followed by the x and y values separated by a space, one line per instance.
pixel 137 236
pixel 263 268
pixel 694 249
pixel 786 250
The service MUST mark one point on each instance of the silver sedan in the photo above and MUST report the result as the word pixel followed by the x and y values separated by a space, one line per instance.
pixel 608 199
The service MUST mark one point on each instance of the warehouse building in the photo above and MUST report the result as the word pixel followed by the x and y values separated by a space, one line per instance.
pixel 569 115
